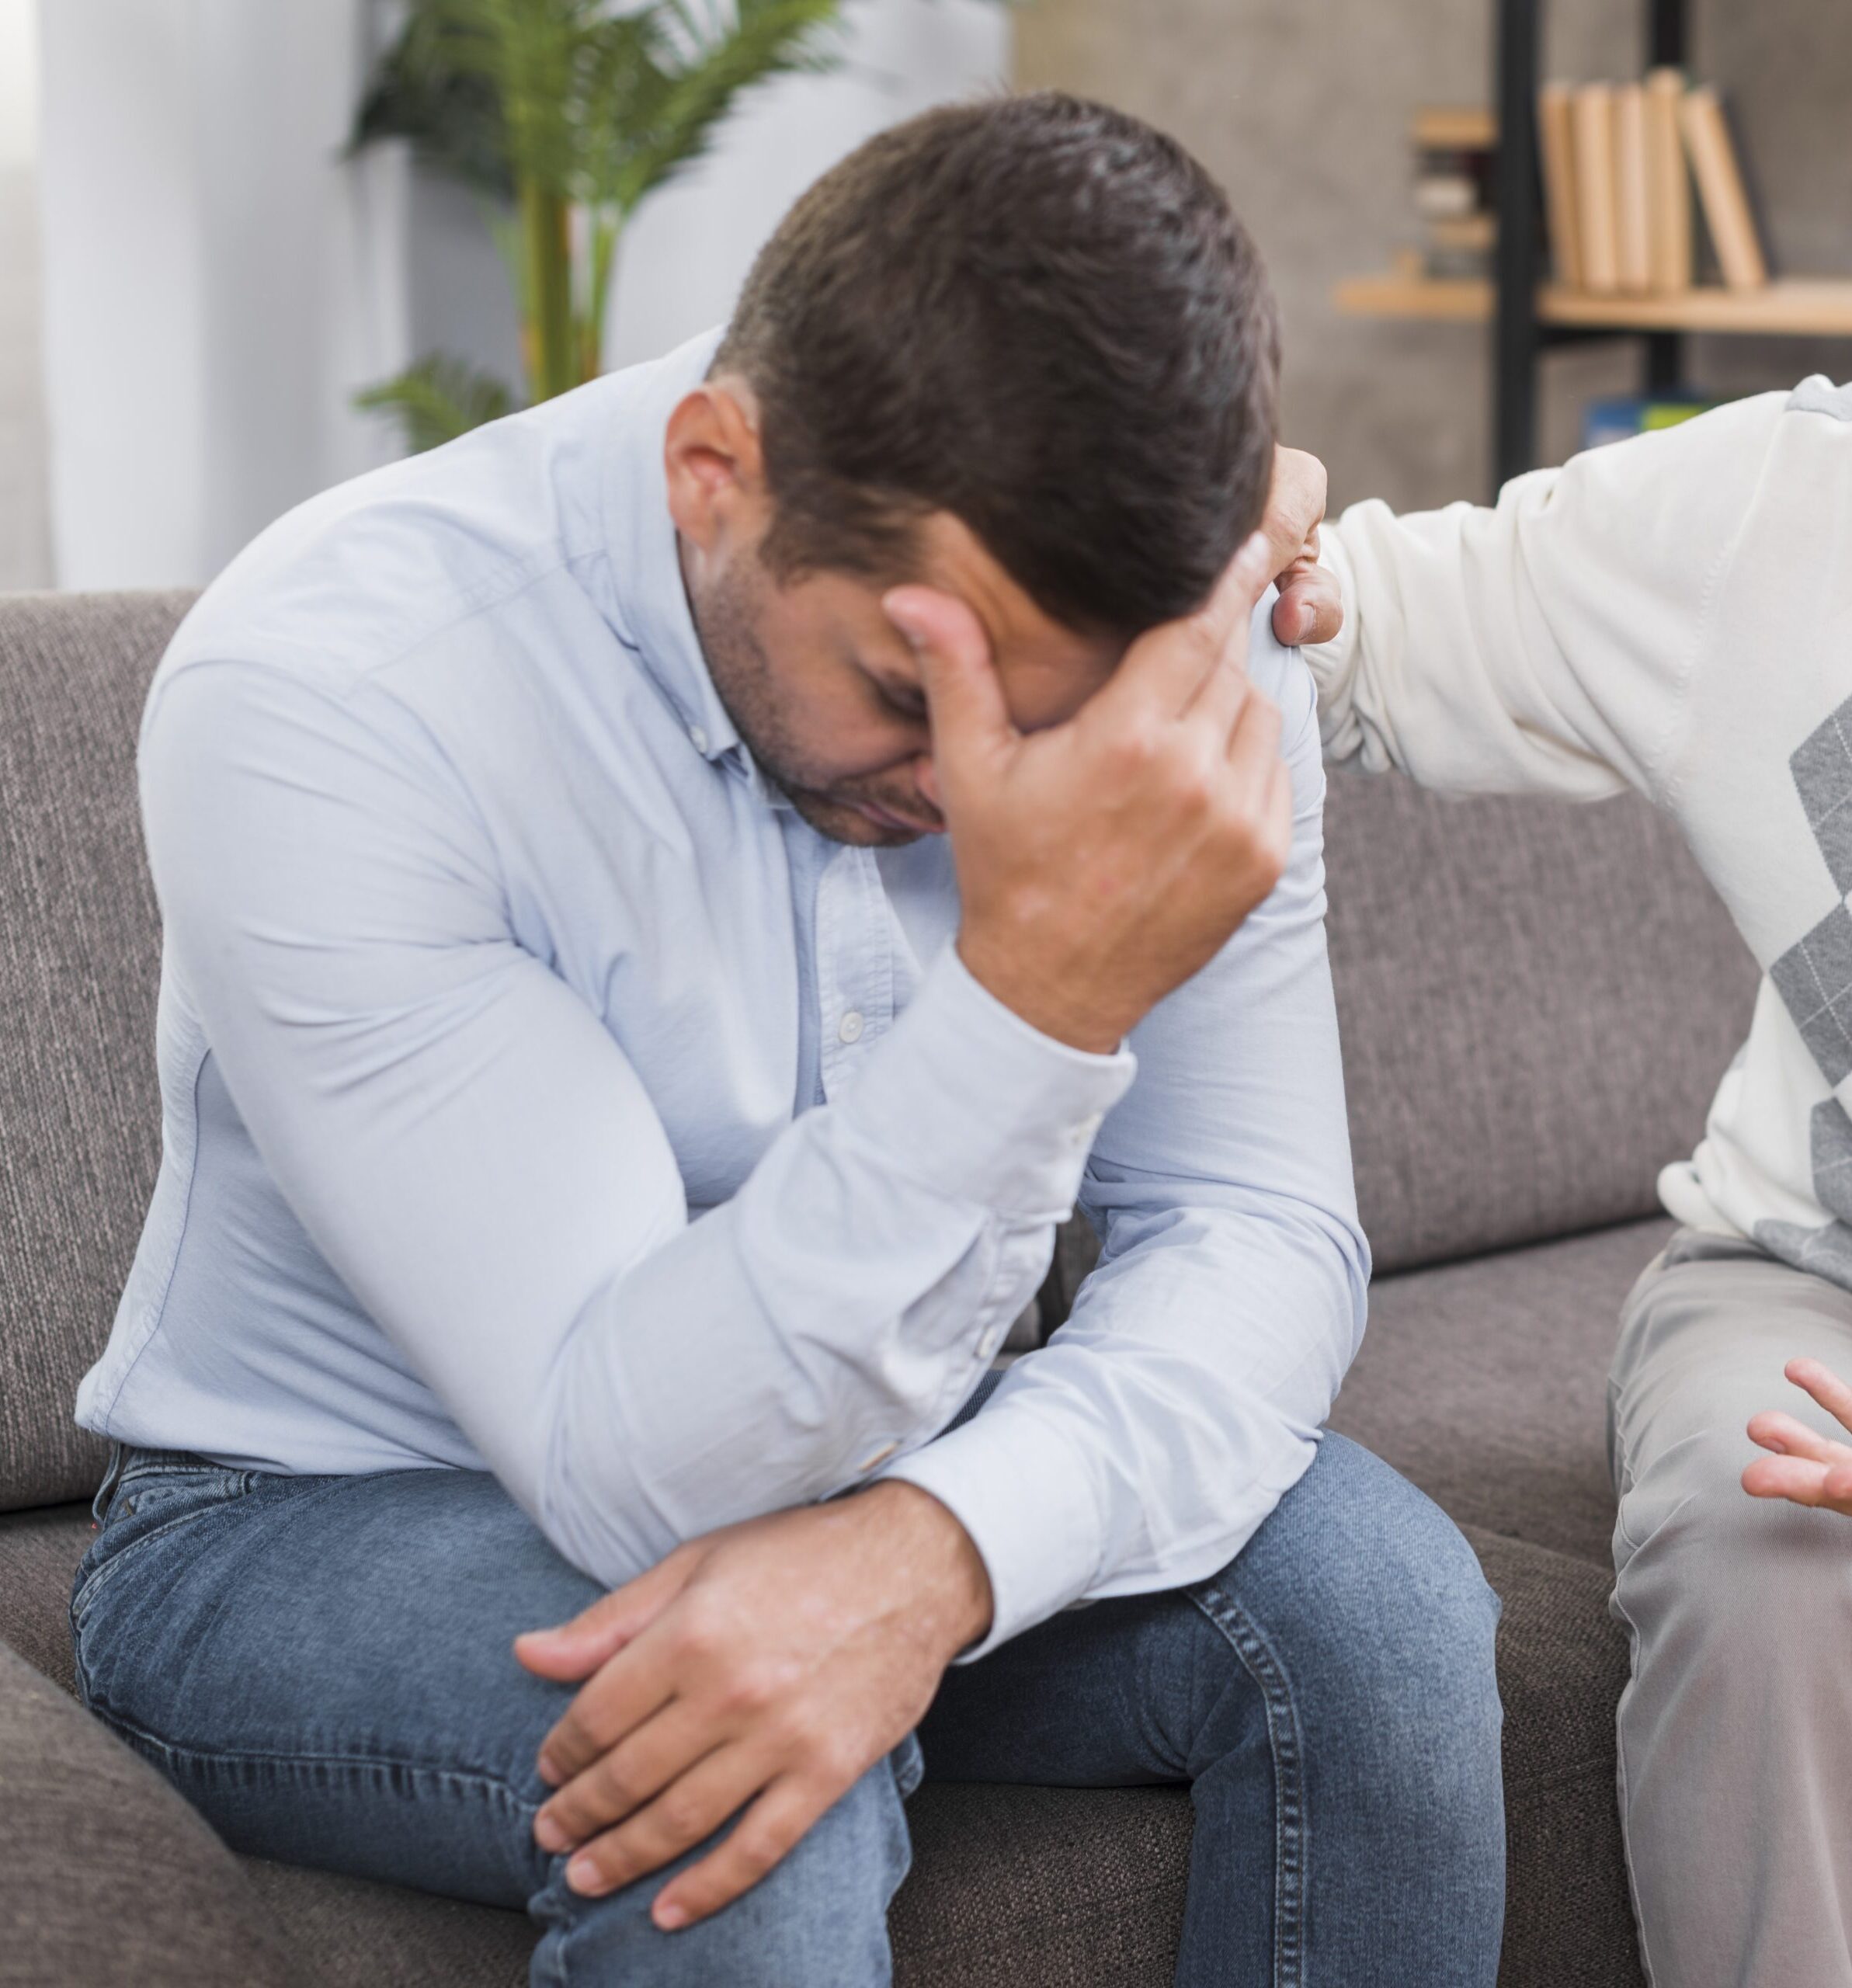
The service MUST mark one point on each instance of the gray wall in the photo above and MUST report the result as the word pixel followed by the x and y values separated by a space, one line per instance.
pixel 25 538
pixel 1302 111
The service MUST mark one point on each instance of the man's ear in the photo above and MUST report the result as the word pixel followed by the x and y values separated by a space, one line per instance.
pixel 715 468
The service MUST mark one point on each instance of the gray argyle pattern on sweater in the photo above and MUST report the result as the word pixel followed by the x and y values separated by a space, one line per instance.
pixel 1814 977
pixel 1817 394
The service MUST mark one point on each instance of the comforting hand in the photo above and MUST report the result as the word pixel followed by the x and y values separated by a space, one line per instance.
pixel 1807 1468
pixel 766 1667
pixel 1309 608
pixel 1101 862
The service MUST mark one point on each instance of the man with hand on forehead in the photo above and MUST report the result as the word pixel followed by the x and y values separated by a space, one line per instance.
pixel 668 901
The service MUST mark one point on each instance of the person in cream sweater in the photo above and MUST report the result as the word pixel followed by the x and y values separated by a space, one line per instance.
pixel 1673 614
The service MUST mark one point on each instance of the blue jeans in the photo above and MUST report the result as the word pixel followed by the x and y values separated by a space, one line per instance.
pixel 321 1665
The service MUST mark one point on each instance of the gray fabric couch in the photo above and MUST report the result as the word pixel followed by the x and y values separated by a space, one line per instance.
pixel 1536 1002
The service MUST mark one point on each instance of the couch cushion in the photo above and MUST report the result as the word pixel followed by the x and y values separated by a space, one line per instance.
pixel 39 1553
pixel 345 1933
pixel 1042 1887
pixel 1537 1000
pixel 1485 1383
pixel 1562 1662
pixel 1027 1886
pixel 78 975
pixel 1031 1888
pixel 106 1877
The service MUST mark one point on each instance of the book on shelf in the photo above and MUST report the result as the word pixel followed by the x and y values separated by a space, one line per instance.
pixel 1668 186
pixel 1632 240
pixel 1597 193
pixel 1618 162
pixel 1554 136
pixel 1454 148
pixel 1445 196
pixel 1714 166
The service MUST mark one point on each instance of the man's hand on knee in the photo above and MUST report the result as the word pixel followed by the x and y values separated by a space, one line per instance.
pixel 763 1669
pixel 1805 1467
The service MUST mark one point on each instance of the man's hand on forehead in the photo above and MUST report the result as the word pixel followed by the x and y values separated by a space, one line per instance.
pixel 1103 861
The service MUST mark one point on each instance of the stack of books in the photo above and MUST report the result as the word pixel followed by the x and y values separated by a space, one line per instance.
pixel 1619 160
pixel 1454 150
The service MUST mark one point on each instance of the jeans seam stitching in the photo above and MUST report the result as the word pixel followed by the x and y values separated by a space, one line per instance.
pixel 1285 1745
pixel 474 1778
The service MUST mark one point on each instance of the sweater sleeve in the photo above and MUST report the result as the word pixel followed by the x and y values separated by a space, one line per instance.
pixel 1544 643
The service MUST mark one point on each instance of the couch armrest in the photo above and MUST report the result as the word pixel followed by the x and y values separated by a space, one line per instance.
pixel 106 1875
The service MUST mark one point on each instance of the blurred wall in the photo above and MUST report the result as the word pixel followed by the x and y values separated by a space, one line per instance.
pixel 1302 112
pixel 217 281
pixel 25 536
pixel 219 278
pixel 689 247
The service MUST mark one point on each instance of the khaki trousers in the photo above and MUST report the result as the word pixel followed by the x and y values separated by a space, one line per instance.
pixel 1736 1730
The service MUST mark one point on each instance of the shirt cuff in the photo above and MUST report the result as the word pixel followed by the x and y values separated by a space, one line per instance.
pixel 978 1105
pixel 1025 1495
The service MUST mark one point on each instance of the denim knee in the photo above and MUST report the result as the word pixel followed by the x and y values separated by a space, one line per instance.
pixel 819 1920
pixel 1365 1607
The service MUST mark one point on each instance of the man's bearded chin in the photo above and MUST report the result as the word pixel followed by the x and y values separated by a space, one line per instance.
pixel 726 622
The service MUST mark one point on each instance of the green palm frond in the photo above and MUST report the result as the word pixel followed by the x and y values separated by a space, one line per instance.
pixel 596 107
pixel 451 114
pixel 436 400
pixel 705 65
pixel 565 114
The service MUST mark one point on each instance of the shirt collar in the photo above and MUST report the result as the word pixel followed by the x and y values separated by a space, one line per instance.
pixel 651 603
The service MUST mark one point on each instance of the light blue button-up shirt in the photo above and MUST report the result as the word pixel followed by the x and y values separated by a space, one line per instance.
pixel 541 1094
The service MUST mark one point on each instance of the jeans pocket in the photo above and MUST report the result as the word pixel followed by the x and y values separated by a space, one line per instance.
pixel 146 1506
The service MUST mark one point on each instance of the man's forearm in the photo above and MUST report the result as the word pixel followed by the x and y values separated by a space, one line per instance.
pixel 841 1308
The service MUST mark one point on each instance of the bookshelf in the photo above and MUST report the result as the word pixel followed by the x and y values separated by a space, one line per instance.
pixel 1528 316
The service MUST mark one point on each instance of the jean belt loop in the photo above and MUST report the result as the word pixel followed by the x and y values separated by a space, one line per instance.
pixel 100 1505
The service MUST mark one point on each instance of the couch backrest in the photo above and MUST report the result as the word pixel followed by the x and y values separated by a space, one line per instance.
pixel 79 1111
pixel 1537 1002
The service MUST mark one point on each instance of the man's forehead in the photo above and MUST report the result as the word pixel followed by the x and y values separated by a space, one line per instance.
pixel 1024 638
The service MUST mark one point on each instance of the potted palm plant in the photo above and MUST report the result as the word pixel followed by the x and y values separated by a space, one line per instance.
pixel 561 115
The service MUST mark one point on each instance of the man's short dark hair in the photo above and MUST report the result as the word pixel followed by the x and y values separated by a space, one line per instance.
pixel 1036 313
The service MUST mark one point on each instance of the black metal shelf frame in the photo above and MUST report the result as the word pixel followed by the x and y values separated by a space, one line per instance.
pixel 1519 339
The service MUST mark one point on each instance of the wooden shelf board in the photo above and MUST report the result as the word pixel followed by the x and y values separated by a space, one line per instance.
pixel 1817 306
pixel 1464 300
pixel 1454 127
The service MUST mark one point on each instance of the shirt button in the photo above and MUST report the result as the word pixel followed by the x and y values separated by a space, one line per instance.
pixel 987 1346
pixel 880 1457
pixel 697 739
pixel 850 1028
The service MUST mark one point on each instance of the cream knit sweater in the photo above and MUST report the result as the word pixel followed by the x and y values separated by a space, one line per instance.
pixel 1673 614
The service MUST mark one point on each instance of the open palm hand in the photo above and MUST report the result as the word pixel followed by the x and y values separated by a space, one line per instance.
pixel 1805 1467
